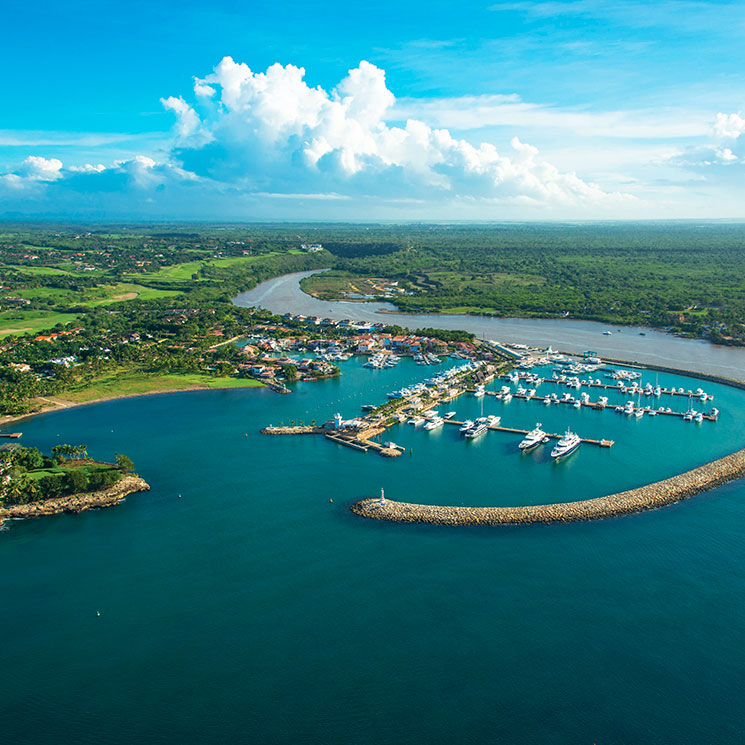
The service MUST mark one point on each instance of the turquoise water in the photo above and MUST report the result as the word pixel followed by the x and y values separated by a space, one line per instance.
pixel 253 609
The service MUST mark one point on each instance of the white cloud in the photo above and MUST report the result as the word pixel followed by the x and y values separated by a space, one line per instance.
pixel 478 112
pixel 269 135
pixel 272 132
pixel 729 126
pixel 36 168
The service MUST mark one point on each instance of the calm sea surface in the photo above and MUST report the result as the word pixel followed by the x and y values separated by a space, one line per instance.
pixel 254 609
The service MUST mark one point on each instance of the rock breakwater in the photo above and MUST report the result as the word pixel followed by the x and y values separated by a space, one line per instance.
pixel 77 502
pixel 649 497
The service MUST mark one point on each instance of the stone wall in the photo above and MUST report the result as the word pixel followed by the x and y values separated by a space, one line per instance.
pixel 647 497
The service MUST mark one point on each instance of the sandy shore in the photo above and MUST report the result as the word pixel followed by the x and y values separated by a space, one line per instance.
pixel 77 502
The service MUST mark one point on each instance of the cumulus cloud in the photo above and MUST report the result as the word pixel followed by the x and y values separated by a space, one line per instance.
pixel 251 134
pixel 36 168
pixel 726 148
pixel 272 131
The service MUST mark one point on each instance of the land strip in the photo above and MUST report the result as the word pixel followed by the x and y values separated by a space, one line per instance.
pixel 649 497
pixel 77 502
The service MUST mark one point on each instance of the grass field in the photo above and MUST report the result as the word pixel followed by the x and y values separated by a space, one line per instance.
pixel 184 272
pixel 32 321
pixel 133 383
pixel 87 467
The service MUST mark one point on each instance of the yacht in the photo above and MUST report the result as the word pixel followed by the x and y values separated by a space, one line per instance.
pixel 507 397
pixel 566 445
pixel 534 438
pixel 698 418
pixel 476 431
pixel 466 425
pixel 416 420
pixel 434 423
pixel 480 391
pixel 449 415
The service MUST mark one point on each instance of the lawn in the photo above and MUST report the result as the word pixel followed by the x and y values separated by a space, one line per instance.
pixel 87 467
pixel 32 321
pixel 184 272
pixel 134 383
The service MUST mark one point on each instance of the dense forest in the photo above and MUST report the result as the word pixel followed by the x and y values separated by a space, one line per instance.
pixel 686 277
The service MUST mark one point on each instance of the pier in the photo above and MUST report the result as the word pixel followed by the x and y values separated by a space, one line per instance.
pixel 591 404
pixel 553 436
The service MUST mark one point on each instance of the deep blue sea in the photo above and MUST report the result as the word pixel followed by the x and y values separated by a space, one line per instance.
pixel 255 609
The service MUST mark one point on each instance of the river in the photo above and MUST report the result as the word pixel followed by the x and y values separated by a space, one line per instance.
pixel 283 295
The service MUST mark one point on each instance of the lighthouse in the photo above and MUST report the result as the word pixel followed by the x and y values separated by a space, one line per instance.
pixel 382 496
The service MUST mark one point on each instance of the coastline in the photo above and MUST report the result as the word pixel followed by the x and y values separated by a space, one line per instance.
pixel 60 404
pixel 76 502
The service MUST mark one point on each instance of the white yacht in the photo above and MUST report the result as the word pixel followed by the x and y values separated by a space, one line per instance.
pixel 434 423
pixel 534 438
pixel 476 431
pixel 480 391
pixel 566 445
pixel 466 426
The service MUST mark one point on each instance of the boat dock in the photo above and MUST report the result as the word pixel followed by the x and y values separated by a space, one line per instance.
pixel 609 387
pixel 591 404
pixel 12 435
pixel 553 436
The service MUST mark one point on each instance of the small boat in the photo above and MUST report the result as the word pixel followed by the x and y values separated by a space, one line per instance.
pixel 607 333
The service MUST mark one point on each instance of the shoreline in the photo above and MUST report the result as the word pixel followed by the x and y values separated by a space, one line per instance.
pixel 487 314
pixel 76 503
pixel 66 404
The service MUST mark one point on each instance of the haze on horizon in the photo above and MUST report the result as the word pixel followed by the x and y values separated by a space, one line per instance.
pixel 525 110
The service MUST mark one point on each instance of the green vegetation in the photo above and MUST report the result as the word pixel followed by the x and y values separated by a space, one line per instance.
pixel 684 277
pixel 28 476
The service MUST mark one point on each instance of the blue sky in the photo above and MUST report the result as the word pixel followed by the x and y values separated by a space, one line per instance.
pixel 393 110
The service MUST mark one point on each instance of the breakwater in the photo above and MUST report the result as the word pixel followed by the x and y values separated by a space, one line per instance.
pixel 649 497
pixel 77 502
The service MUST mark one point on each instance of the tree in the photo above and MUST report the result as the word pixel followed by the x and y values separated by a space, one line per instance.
pixel 124 463
pixel 76 481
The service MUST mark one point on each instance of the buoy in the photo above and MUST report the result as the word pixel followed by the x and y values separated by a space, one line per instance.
pixel 246 434
pixel 331 500
pixel 179 496
pixel 98 612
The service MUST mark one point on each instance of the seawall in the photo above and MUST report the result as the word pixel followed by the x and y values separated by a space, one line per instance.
pixel 649 497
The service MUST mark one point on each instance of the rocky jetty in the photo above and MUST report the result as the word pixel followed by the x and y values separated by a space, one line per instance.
pixel 649 497
pixel 77 502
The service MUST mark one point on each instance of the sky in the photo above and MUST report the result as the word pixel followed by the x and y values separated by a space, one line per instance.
pixel 407 110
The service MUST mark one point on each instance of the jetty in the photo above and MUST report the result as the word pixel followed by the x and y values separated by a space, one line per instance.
pixel 649 497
